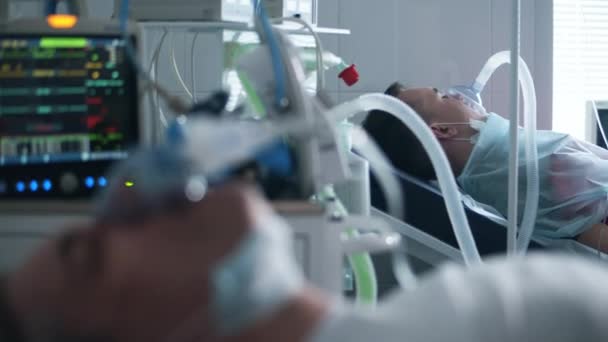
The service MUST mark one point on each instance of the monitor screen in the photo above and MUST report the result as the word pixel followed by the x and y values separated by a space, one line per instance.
pixel 65 99
pixel 603 114
pixel 68 110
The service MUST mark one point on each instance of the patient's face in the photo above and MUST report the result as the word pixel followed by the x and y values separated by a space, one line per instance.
pixel 134 282
pixel 435 106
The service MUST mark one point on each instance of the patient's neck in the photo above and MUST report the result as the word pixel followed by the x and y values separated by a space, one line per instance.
pixel 295 322
pixel 458 153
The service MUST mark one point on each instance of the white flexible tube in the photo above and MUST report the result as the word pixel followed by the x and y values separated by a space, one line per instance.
pixel 174 103
pixel 161 114
pixel 318 47
pixel 176 69
pixel 447 183
pixel 153 72
pixel 532 174
pixel 156 53
pixel 532 169
pixel 488 69
pixel 599 122
pixel 392 190
pixel 513 133
pixel 320 59
pixel 151 84
pixel 193 66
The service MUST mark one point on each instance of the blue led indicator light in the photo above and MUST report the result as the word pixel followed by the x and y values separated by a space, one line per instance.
pixel 34 186
pixel 20 186
pixel 47 185
pixel 102 181
pixel 89 182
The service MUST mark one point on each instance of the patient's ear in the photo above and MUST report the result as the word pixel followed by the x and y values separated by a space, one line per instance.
pixel 443 131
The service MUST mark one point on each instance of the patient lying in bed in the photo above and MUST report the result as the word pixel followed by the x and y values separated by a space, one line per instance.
pixel 573 201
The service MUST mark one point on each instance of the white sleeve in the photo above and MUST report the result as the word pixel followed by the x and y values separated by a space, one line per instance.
pixel 543 298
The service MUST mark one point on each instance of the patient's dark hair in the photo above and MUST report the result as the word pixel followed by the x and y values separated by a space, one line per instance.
pixel 398 142
pixel 10 329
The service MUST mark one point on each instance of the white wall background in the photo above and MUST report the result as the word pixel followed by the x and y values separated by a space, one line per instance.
pixel 439 43
pixel 419 42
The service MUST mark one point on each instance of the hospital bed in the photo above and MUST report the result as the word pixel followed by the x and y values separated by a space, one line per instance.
pixel 429 234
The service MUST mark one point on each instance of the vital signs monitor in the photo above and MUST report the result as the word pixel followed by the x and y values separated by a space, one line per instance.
pixel 68 106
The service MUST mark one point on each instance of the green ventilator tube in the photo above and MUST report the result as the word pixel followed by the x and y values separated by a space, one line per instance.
pixel 365 275
pixel 361 263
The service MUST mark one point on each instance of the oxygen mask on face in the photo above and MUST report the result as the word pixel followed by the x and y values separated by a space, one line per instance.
pixel 469 97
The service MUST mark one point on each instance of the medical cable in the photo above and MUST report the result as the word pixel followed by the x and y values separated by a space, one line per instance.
pixel 267 34
pixel 175 103
pixel 438 158
pixel 74 7
pixel 599 122
pixel 51 7
pixel 78 7
pixel 124 15
pixel 318 48
pixel 320 59
pixel 193 65
pixel 154 96
pixel 178 73
pixel 156 53
pixel 153 72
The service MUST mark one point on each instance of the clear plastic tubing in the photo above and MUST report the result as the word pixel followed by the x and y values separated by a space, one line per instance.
pixel 532 173
pixel 445 177
pixel 530 145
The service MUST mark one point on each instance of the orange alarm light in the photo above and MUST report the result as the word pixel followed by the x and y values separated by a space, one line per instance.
pixel 62 21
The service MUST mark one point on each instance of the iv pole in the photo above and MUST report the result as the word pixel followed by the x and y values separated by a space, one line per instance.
pixel 513 130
